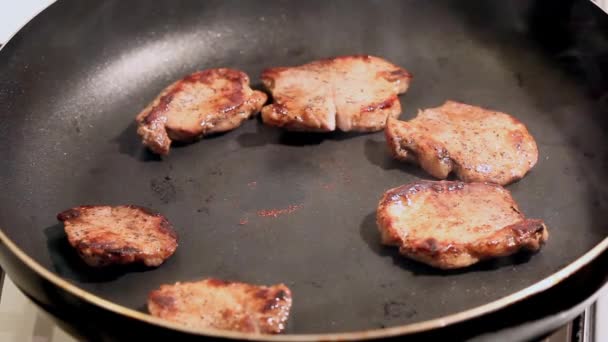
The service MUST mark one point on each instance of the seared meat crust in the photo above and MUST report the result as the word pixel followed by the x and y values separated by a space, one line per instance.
pixel 350 93
pixel 219 304
pixel 477 144
pixel 454 224
pixel 105 235
pixel 206 102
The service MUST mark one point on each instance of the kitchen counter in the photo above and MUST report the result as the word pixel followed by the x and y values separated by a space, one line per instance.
pixel 21 320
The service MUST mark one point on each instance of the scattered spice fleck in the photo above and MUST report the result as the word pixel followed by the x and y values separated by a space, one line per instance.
pixel 243 222
pixel 342 172
pixel 277 212
pixel 328 186
pixel 252 185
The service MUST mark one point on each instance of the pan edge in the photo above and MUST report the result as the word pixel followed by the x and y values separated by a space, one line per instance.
pixel 541 286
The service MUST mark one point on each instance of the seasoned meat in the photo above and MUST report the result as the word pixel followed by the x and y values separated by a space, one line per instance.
pixel 105 235
pixel 454 224
pixel 351 93
pixel 213 303
pixel 477 144
pixel 210 101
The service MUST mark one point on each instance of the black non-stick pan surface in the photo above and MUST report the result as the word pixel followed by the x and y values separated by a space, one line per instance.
pixel 72 81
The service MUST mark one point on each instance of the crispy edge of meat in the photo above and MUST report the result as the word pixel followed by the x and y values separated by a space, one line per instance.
pixel 152 119
pixel 229 120
pixel 399 139
pixel 367 120
pixel 274 114
pixel 98 255
pixel 524 235
pixel 273 305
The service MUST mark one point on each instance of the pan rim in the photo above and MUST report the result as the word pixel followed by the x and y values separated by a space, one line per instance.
pixel 417 327
pixel 427 325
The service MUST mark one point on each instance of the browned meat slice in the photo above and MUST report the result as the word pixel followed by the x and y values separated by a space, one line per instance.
pixel 213 303
pixel 479 145
pixel 105 235
pixel 454 224
pixel 351 93
pixel 210 101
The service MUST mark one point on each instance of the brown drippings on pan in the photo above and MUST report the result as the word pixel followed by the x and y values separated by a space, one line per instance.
pixel 277 212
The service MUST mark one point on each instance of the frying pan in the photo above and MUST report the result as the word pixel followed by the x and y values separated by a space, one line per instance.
pixel 72 80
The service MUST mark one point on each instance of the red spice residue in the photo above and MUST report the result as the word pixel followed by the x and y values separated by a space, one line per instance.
pixel 328 186
pixel 277 212
pixel 243 221
pixel 252 185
